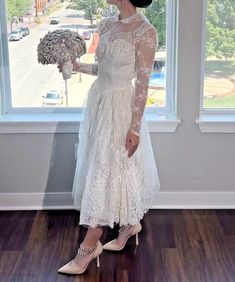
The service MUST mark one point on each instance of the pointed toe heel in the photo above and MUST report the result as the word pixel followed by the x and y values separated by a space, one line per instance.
pixel 72 268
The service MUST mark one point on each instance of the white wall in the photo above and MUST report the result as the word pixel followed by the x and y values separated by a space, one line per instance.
pixel 195 169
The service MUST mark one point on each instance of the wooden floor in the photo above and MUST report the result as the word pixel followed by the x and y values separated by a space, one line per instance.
pixel 175 245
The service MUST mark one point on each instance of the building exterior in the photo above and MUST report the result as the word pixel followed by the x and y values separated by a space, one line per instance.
pixel 42 5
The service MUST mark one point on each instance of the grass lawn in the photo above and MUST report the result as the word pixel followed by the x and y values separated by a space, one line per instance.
pixel 215 70
pixel 220 102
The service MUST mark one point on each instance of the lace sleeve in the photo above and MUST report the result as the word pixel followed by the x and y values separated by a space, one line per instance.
pixel 91 69
pixel 145 54
pixel 101 26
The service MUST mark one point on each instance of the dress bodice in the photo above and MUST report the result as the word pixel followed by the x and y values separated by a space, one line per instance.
pixel 116 60
pixel 126 50
pixel 118 45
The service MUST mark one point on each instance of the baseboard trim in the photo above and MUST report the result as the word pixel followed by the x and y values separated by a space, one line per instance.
pixel 165 200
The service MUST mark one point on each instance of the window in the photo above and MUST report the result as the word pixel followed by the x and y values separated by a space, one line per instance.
pixel 28 85
pixel 218 71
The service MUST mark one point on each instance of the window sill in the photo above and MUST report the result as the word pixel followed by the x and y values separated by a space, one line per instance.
pixel 217 123
pixel 69 123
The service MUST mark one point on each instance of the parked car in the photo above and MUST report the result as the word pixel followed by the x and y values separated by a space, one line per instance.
pixel 54 20
pixel 25 30
pixel 86 35
pixel 52 97
pixel 15 35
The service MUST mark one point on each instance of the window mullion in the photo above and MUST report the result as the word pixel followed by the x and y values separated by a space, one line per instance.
pixel 171 44
pixel 5 66
pixel 203 42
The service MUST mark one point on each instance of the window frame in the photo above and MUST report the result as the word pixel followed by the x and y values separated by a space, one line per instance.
pixel 208 111
pixel 4 62
pixel 171 65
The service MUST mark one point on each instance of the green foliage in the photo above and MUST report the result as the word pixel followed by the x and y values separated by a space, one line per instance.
pixel 156 13
pixel 17 8
pixel 220 21
pixel 90 7
pixel 220 28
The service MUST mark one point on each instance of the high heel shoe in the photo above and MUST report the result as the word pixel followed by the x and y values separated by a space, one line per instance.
pixel 72 268
pixel 111 246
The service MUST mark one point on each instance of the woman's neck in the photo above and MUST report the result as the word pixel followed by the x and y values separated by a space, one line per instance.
pixel 126 12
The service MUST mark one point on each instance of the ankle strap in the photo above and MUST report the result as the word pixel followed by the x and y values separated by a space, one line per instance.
pixel 125 228
pixel 85 251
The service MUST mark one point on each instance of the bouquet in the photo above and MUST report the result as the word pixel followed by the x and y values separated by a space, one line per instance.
pixel 61 47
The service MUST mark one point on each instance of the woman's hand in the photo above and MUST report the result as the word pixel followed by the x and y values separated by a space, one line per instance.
pixel 132 142
pixel 75 66
pixel 60 68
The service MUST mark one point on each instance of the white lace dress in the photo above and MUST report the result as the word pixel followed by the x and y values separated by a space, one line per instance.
pixel 108 186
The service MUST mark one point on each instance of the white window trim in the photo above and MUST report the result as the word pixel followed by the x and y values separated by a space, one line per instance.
pixel 47 120
pixel 4 72
pixel 212 120
pixel 172 21
pixel 69 123
pixel 214 123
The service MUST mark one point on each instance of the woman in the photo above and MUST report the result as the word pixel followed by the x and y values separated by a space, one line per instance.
pixel 116 178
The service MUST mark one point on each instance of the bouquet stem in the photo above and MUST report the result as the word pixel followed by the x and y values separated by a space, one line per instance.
pixel 66 91
pixel 67 70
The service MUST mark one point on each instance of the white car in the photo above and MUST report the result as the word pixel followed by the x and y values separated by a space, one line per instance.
pixel 52 97
pixel 15 35
pixel 54 20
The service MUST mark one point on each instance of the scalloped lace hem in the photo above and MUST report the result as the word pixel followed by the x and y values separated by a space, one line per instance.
pixel 94 222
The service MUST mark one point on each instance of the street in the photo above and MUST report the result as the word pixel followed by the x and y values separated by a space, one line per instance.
pixel 31 80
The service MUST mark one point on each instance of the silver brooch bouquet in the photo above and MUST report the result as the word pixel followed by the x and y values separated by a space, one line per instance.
pixel 61 47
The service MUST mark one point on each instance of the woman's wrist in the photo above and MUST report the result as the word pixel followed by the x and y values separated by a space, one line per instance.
pixel 76 66
pixel 134 131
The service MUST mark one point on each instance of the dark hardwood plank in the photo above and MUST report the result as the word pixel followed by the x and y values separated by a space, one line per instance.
pixel 174 246
pixel 173 265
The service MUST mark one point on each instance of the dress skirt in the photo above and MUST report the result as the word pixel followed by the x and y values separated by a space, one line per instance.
pixel 108 186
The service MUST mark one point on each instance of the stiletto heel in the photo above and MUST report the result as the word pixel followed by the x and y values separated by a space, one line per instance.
pixel 111 246
pixel 72 268
pixel 136 239
pixel 98 261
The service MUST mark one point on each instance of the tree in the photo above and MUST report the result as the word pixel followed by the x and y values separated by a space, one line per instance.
pixel 90 7
pixel 16 9
pixel 220 28
pixel 156 13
